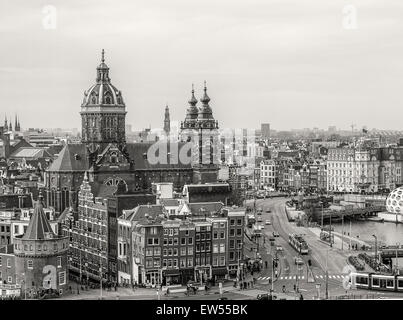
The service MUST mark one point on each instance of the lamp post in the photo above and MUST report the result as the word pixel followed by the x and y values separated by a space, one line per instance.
pixel 330 230
pixel 397 258
pixel 327 276
pixel 376 249
pixel 342 231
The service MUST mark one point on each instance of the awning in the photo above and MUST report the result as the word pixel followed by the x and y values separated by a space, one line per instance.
pixel 219 271
pixel 170 272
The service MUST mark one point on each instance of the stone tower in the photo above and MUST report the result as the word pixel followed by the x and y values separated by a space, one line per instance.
pixel 41 255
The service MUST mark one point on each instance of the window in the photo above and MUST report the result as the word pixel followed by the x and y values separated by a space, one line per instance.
pixel 169 252
pixel 232 244
pixel 215 248
pixel 190 241
pixel 8 263
pixel 165 252
pixel 222 261
pixel 171 232
pixel 164 262
pixel 208 246
pixel 175 262
pixel 150 241
pixel 190 250
pixel 197 236
pixel 16 229
pixel 222 235
pixel 238 232
pixel 239 222
pixel 149 252
pixel 175 241
pixel 157 262
pixel 9 279
pixel 175 251
pixel 215 261
pixel 222 225
pixel 183 241
pixel 232 232
pixel 169 262
pixel 190 262
pixel 165 232
pixel 215 235
pixel 170 241
pixel 183 251
pixel 157 251
pixel 231 256
pixel 232 222
pixel 222 247
pixel 208 236
pixel 30 264
pixel 62 278
pixel 165 241
pixel 176 231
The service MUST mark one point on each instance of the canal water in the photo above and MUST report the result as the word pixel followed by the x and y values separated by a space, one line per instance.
pixel 387 233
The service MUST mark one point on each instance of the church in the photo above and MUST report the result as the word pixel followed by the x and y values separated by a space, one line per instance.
pixel 109 159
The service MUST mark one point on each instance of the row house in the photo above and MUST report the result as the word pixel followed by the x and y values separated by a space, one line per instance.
pixel 369 169
pixel 204 244
pixel 268 173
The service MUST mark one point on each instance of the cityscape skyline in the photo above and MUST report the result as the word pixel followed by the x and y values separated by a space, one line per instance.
pixel 345 76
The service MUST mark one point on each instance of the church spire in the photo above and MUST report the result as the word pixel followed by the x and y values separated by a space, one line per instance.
pixel 103 70
pixel 193 100
pixel 205 99
pixel 167 121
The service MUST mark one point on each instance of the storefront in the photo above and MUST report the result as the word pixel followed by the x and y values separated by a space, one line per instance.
pixel 202 274
pixel 219 273
pixel 171 277
pixel 152 277
pixel 187 275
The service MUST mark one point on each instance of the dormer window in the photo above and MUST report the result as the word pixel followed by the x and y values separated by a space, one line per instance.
pixel 94 99
pixel 108 100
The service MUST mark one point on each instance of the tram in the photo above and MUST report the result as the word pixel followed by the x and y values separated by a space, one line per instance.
pixel 373 281
pixel 298 243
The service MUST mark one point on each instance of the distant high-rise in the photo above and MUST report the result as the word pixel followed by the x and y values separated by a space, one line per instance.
pixel 265 130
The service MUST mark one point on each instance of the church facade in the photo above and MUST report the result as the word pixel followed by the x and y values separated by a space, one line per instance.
pixel 108 159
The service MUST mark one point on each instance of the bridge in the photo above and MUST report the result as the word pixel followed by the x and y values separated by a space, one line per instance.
pixel 351 213
pixel 388 253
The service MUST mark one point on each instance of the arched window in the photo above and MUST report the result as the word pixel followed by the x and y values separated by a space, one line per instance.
pixel 93 99
pixel 108 99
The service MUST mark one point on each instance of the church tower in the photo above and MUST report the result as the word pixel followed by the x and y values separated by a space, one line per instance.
pixel 103 112
pixel 167 121
pixel 201 128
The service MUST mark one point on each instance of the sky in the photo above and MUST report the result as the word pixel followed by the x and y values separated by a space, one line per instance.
pixel 291 63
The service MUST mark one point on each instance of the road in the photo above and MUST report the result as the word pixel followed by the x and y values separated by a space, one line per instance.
pixel 289 272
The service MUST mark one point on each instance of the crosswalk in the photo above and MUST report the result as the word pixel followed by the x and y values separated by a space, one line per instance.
pixel 294 277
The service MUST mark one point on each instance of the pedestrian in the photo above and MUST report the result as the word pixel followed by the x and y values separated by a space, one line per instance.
pixel 284 288
pixel 276 273
pixel 301 297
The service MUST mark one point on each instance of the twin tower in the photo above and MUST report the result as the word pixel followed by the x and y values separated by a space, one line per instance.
pixel 103 114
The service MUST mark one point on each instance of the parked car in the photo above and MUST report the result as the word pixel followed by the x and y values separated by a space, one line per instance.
pixel 261 226
pixel 279 248
pixel 275 234
pixel 259 219
pixel 298 261
pixel 268 222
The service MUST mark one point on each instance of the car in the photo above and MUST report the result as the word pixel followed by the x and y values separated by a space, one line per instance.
pixel 298 261
pixel 222 298
pixel 261 226
pixel 268 222
pixel 259 213
pixel 275 234
pixel 279 248
pixel 268 210
pixel 259 219
pixel 266 296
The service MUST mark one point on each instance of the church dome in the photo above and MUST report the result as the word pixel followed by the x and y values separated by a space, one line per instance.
pixel 103 92
pixel 394 201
